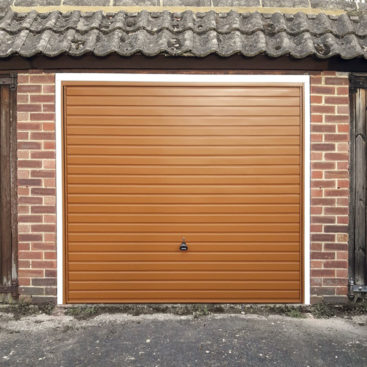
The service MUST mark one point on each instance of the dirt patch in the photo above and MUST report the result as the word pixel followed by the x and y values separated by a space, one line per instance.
pixel 320 310
pixel 84 312
pixel 21 309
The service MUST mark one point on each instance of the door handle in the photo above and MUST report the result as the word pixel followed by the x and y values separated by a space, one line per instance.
pixel 183 246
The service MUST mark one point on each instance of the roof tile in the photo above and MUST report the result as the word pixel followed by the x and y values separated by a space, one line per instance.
pixel 187 33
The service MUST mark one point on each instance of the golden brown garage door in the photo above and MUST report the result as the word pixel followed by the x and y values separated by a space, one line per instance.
pixel 148 165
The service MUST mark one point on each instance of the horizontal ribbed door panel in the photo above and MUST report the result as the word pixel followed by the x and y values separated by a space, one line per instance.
pixel 146 165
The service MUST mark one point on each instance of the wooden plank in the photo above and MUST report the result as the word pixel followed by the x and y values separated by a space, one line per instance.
pixel 272 120
pixel 182 218
pixel 182 257
pixel 3 261
pixel 182 189
pixel 183 266
pixel 5 189
pixel 182 208
pixel 352 193
pixel 198 295
pixel 178 131
pixel 172 100
pixel 274 169
pixel 360 188
pixel 185 299
pixel 184 275
pixel 179 160
pixel 183 180
pixel 183 199
pixel 184 140
pixel 180 111
pixel 177 237
pixel 8 188
pixel 13 138
pixel 178 151
pixel 182 285
pixel 173 247
pixel 179 91
pixel 182 228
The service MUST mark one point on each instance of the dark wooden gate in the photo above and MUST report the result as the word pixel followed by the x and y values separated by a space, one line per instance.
pixel 358 169
pixel 8 191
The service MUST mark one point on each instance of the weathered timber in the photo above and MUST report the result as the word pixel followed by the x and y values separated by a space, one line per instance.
pixel 358 167
pixel 360 194
pixel 8 204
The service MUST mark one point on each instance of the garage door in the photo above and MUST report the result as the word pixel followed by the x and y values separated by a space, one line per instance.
pixel 150 169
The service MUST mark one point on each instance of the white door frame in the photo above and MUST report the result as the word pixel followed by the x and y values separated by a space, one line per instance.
pixel 181 78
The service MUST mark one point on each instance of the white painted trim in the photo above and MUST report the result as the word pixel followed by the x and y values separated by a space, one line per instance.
pixel 173 78
pixel 59 191
pixel 307 191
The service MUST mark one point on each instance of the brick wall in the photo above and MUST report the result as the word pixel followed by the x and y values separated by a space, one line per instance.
pixel 36 186
pixel 329 186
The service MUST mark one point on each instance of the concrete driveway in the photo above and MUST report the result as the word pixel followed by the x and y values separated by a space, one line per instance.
pixel 170 340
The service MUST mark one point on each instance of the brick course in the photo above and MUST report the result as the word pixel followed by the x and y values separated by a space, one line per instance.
pixel 329 186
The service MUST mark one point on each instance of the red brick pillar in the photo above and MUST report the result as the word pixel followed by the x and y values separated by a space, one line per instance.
pixel 36 186
pixel 329 186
